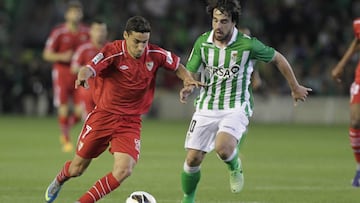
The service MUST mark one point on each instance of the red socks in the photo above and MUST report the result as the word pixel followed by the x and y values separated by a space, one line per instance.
pixel 66 123
pixel 73 119
pixel 101 188
pixel 355 143
pixel 64 173
pixel 64 128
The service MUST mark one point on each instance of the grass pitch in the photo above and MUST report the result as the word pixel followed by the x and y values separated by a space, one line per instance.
pixel 282 164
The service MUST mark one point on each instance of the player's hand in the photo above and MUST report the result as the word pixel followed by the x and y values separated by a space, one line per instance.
pixel 192 82
pixel 82 77
pixel 300 93
pixel 67 56
pixel 336 74
pixel 82 83
pixel 185 92
pixel 74 69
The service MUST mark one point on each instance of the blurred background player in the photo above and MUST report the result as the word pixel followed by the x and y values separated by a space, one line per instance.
pixel 83 54
pixel 223 59
pixel 337 72
pixel 59 49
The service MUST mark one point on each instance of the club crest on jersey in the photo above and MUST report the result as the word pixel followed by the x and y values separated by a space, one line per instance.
pixel 234 56
pixel 98 58
pixel 150 65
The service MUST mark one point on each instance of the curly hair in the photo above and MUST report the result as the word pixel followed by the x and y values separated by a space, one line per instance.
pixel 231 7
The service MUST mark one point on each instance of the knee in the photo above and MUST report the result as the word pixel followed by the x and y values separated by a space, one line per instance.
pixel 355 123
pixel 194 159
pixel 355 118
pixel 224 152
pixel 120 173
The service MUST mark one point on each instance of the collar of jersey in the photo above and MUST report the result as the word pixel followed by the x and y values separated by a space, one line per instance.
pixel 232 40
pixel 126 53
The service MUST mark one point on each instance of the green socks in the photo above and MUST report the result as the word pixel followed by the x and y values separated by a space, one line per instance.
pixel 189 183
pixel 233 164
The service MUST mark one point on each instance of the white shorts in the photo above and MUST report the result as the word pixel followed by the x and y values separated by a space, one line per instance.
pixel 205 125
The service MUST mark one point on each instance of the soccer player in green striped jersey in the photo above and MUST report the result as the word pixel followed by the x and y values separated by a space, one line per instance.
pixel 223 59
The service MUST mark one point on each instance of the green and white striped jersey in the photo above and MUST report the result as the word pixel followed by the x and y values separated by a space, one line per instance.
pixel 226 71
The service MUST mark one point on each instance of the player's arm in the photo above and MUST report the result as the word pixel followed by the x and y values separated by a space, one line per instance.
pixel 255 80
pixel 338 70
pixel 52 56
pixel 298 92
pixel 75 68
pixel 76 62
pixel 186 76
pixel 84 74
pixel 189 82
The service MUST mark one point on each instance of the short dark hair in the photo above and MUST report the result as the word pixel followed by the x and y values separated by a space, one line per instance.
pixel 74 4
pixel 98 20
pixel 137 24
pixel 231 7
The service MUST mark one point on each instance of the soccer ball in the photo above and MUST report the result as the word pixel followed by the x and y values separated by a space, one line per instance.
pixel 140 197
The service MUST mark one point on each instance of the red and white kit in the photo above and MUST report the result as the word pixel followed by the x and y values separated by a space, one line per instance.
pixel 126 92
pixel 60 40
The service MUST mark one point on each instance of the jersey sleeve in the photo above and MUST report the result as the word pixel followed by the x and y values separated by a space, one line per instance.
pixel 194 60
pixel 102 60
pixel 261 52
pixel 356 27
pixel 169 60
pixel 76 59
pixel 52 41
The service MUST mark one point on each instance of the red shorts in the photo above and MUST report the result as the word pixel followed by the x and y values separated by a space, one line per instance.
pixel 102 129
pixel 64 86
pixel 355 93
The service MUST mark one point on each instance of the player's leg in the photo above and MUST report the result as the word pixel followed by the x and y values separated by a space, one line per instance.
pixel 199 140
pixel 226 149
pixel 354 131
pixel 191 174
pixel 355 139
pixel 61 96
pixel 63 118
pixel 123 166
pixel 125 146
pixel 70 169
pixel 78 112
pixel 231 129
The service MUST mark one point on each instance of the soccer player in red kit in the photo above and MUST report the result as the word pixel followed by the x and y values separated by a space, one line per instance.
pixel 337 72
pixel 83 54
pixel 128 70
pixel 59 49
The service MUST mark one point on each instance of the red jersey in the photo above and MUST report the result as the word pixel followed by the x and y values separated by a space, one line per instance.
pixel 83 54
pixel 129 84
pixel 356 27
pixel 357 73
pixel 61 39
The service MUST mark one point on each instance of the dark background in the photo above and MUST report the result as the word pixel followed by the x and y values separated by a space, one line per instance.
pixel 313 35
